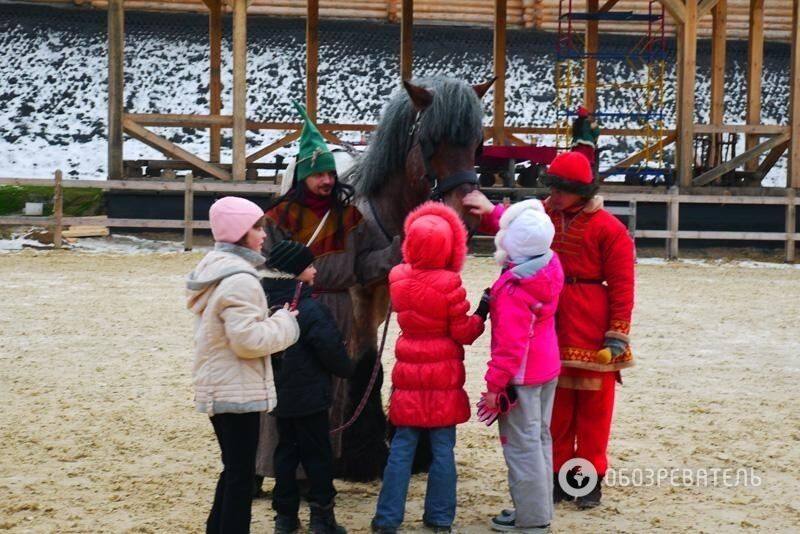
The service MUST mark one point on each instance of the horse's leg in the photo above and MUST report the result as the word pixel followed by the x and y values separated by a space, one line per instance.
pixel 364 449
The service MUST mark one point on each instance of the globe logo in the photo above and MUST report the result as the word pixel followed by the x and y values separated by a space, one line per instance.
pixel 577 477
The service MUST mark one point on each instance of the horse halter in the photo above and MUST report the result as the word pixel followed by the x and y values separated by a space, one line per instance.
pixel 439 186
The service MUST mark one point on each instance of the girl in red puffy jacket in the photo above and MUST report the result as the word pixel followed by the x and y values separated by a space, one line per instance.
pixel 428 378
pixel 525 361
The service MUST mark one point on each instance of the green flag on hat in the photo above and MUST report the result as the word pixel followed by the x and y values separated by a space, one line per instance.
pixel 313 155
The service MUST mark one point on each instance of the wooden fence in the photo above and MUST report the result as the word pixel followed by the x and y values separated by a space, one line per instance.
pixel 673 199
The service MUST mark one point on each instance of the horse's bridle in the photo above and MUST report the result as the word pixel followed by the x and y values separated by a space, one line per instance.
pixel 439 186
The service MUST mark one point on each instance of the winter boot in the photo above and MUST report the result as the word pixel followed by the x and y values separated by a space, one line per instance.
pixel 558 493
pixel 286 524
pixel 323 520
pixel 592 499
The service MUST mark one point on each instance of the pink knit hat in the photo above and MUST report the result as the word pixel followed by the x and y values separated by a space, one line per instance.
pixel 232 217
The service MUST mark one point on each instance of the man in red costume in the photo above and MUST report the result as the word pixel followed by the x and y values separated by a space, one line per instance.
pixel 594 313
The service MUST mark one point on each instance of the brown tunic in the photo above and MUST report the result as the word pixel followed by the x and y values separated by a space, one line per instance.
pixel 357 255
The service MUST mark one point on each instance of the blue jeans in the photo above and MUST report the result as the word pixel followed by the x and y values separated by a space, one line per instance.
pixel 440 495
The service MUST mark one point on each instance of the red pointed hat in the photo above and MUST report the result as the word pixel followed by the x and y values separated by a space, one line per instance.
pixel 571 172
pixel 583 112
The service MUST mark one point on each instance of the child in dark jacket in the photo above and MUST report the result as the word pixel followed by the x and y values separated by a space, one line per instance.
pixel 303 382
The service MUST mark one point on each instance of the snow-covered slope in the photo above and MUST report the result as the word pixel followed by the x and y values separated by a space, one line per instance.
pixel 53 80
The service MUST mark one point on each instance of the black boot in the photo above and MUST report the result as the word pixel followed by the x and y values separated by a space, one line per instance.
pixel 558 493
pixel 592 499
pixel 286 524
pixel 323 520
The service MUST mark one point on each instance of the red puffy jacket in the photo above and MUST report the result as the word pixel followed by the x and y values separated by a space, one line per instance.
pixel 432 311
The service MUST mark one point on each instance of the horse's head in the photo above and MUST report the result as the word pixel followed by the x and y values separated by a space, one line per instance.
pixel 446 136
pixel 425 145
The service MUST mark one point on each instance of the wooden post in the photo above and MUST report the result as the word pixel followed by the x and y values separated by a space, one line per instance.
pixel 632 218
pixel 673 223
pixel 406 40
pixel 215 79
pixel 687 44
pixel 590 68
pixel 719 15
pixel 499 117
pixel 58 209
pixel 793 176
pixel 188 211
pixel 755 63
pixel 116 40
pixel 312 58
pixel 239 88
pixel 791 214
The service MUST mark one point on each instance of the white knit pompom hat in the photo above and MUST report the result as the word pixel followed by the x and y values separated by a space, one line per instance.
pixel 525 231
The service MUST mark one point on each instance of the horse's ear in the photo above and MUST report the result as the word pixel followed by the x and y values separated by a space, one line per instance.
pixel 481 88
pixel 420 97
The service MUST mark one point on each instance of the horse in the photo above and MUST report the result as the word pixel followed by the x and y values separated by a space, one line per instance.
pixel 424 147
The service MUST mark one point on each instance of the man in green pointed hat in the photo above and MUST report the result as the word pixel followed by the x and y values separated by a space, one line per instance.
pixel 318 212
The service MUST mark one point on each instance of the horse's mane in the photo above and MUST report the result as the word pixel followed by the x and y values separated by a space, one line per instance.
pixel 454 116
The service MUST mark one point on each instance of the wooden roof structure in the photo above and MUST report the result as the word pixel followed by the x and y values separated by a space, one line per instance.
pixel 688 17
pixel 534 14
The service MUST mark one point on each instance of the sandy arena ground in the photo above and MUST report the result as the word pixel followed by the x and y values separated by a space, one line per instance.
pixel 99 433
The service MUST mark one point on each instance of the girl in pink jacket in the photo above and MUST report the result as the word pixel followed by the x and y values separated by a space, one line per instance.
pixel 525 361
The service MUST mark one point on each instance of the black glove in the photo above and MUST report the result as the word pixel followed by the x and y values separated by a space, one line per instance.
pixel 483 305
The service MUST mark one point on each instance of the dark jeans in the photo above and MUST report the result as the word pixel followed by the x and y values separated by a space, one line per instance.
pixel 303 440
pixel 237 435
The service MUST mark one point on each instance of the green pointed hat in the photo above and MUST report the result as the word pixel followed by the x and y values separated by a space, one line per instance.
pixel 313 155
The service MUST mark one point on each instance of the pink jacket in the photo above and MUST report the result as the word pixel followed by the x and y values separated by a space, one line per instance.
pixel 523 306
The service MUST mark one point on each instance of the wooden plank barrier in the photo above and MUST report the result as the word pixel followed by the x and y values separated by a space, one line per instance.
pixel 673 198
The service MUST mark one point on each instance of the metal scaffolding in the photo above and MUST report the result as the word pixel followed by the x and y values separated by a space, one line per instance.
pixel 634 101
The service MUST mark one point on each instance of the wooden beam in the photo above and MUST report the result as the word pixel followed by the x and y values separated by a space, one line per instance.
pixel 687 43
pixel 116 90
pixel 215 76
pixel 188 211
pixel 312 57
pixel 180 120
pixel 206 185
pixel 58 209
pixel 590 63
pixel 642 154
pixel 406 40
pixel 283 141
pixel 718 44
pixel 331 137
pixel 704 7
pixel 790 225
pixel 677 9
pixel 758 129
pixel 755 64
pixel 499 54
pixel 793 176
pixel 745 156
pixel 772 158
pixel 239 89
pixel 171 149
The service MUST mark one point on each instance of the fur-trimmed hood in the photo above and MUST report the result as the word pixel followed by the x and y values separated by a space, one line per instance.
pixel 531 235
pixel 435 238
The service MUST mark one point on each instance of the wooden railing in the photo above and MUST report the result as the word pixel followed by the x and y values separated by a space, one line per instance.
pixel 672 198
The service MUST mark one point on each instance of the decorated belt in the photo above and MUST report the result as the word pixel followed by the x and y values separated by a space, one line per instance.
pixel 576 280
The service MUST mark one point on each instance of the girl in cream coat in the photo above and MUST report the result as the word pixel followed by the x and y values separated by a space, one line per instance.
pixel 234 335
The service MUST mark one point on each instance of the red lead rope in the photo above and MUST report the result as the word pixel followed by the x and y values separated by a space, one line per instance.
pixel 372 378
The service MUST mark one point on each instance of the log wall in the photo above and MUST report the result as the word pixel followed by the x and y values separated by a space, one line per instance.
pixel 534 14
